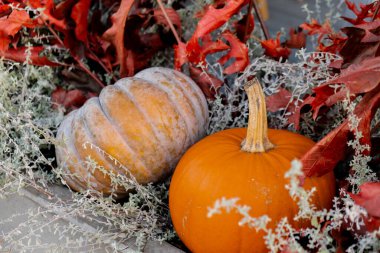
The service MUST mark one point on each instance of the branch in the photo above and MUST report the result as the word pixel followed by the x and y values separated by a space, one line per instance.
pixel 172 28
pixel 76 58
pixel 261 20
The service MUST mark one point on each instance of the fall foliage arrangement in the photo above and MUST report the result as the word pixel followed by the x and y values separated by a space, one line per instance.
pixel 110 98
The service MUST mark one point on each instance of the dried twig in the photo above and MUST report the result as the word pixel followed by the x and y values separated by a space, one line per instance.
pixel 261 20
pixel 76 58
pixel 172 28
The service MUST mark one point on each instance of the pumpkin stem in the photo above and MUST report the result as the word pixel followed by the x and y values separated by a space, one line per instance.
pixel 257 133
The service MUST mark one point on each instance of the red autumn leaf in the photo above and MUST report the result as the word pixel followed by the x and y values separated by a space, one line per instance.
pixel 274 49
pixel 71 99
pixel 19 55
pixel 5 10
pixel 238 51
pixel 360 78
pixel 297 39
pixel 208 83
pixel 295 111
pixel 369 198
pixel 279 100
pixel 327 96
pixel 11 25
pixel 160 19
pixel 243 32
pixel 180 55
pixel 323 157
pixel 208 47
pixel 315 28
pixel 334 44
pixel 115 35
pixel 213 19
pixel 354 51
pixel 366 11
pixel 47 14
pixel 79 14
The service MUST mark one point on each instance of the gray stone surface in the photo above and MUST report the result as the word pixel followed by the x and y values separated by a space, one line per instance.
pixel 14 213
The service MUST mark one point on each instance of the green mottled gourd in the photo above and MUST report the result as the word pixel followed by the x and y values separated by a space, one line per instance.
pixel 145 122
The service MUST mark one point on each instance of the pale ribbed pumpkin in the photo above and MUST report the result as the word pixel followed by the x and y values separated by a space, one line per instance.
pixel 145 122
pixel 246 163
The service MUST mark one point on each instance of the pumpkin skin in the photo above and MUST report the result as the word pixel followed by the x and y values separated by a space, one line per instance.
pixel 217 167
pixel 145 122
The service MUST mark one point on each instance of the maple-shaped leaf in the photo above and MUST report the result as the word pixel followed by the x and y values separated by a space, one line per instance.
pixel 279 100
pixel 47 15
pixel 115 35
pixel 208 46
pixel 208 83
pixel 323 156
pixel 273 48
pixel 11 25
pixel 35 58
pixel 238 51
pixel 369 198
pixel 366 11
pixel 213 19
pixel 297 39
pixel 315 28
pixel 79 14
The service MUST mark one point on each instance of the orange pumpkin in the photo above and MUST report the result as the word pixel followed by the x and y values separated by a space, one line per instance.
pixel 246 163
pixel 145 122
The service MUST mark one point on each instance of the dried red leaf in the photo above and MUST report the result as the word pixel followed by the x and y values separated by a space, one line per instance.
pixel 369 198
pixel 297 39
pixel 115 35
pixel 324 156
pixel 213 19
pixel 208 83
pixel 363 42
pixel 160 19
pixel 71 99
pixel 47 15
pixel 238 51
pixel 279 100
pixel 180 55
pixel 79 14
pixel 243 32
pixel 11 25
pixel 360 78
pixel 366 12
pixel 274 49
pixel 19 55
pixel 315 28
